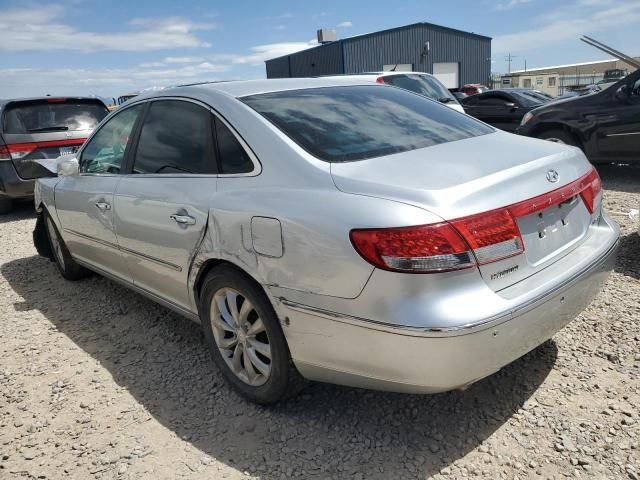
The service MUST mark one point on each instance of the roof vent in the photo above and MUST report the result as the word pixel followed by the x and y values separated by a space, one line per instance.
pixel 327 35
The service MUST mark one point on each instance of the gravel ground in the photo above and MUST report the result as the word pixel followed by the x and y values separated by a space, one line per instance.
pixel 97 382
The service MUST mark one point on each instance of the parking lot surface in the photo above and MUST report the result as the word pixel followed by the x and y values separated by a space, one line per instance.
pixel 98 382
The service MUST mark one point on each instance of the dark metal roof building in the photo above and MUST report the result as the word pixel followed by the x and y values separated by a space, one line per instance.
pixel 457 56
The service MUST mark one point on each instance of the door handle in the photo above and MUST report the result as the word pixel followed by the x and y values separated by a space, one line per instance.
pixel 103 205
pixel 183 219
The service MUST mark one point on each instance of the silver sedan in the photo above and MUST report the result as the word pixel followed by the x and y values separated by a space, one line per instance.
pixel 333 230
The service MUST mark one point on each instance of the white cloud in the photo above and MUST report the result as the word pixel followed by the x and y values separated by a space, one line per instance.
pixel 568 23
pixel 511 4
pixel 102 81
pixel 182 59
pixel 260 53
pixel 346 24
pixel 42 28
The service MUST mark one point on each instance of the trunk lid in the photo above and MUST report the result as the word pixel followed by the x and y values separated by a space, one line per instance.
pixel 481 174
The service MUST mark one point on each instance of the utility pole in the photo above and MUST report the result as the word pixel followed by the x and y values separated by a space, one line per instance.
pixel 508 58
pixel 525 64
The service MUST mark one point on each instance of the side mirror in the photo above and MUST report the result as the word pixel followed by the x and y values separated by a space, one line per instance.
pixel 622 94
pixel 511 106
pixel 68 166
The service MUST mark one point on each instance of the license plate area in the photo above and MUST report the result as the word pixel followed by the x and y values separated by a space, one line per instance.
pixel 68 150
pixel 551 231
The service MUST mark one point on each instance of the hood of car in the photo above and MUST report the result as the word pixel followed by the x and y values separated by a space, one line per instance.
pixel 464 177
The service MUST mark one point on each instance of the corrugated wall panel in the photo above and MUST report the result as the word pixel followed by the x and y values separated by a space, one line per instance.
pixel 370 53
pixel 278 67
pixel 325 60
pixel 403 45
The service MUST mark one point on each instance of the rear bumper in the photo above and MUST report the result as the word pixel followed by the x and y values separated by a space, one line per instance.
pixel 330 347
pixel 11 185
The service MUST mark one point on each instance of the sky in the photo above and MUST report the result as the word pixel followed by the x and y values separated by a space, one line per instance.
pixel 111 47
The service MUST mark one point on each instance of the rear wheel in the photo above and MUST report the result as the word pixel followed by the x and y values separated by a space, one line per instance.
pixel 245 337
pixel 559 136
pixel 67 266
pixel 6 205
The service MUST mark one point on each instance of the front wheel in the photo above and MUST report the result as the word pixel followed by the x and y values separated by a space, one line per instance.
pixel 67 266
pixel 245 337
pixel 6 205
pixel 559 136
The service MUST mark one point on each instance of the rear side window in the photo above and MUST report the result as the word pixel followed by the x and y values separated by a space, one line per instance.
pixel 339 124
pixel 53 115
pixel 233 158
pixel 176 137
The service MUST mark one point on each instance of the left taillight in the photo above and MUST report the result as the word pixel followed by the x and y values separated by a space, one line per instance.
pixel 441 247
pixel 380 80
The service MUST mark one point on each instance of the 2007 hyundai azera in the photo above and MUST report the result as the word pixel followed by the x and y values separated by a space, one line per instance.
pixel 333 230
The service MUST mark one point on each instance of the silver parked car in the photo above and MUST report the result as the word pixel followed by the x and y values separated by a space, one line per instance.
pixel 333 230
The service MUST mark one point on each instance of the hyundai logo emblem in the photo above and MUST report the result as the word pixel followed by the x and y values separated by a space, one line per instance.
pixel 553 176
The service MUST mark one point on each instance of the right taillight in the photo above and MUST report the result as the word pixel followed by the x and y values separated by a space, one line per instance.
pixel 380 80
pixel 4 153
pixel 592 187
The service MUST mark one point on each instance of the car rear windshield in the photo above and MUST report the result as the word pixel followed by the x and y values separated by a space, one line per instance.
pixel 339 124
pixel 52 115
pixel 422 84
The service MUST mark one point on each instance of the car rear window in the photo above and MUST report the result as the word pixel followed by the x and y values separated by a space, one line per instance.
pixel 340 124
pixel 52 115
pixel 422 84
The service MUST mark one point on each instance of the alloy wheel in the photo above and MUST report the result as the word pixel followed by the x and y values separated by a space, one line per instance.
pixel 241 337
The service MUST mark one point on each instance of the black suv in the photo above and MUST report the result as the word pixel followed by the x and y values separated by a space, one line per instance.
pixel 605 125
pixel 37 128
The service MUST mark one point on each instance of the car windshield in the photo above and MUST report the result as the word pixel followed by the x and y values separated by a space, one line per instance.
pixel 53 115
pixel 340 124
pixel 422 84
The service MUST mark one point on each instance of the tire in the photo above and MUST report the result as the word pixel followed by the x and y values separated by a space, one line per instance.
pixel 247 343
pixel 6 205
pixel 67 266
pixel 559 136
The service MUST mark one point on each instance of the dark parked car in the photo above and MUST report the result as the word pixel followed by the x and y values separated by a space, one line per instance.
pixel 39 128
pixel 605 125
pixel 504 108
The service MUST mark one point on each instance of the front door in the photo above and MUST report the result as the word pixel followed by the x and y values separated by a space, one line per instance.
pixel 84 203
pixel 162 203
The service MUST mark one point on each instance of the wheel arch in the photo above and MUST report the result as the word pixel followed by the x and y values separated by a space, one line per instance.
pixel 548 126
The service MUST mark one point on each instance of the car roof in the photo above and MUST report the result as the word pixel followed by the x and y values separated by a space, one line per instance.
pixel 243 88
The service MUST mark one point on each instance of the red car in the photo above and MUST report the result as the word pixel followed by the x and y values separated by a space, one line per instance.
pixel 473 88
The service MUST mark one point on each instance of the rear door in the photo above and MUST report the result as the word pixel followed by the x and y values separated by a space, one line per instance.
pixel 85 204
pixel 47 128
pixel 619 123
pixel 162 203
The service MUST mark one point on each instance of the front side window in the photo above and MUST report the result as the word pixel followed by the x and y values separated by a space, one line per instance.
pixel 493 101
pixel 105 151
pixel 339 124
pixel 176 137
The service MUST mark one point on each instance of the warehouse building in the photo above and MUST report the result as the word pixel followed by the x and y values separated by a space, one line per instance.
pixel 454 56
